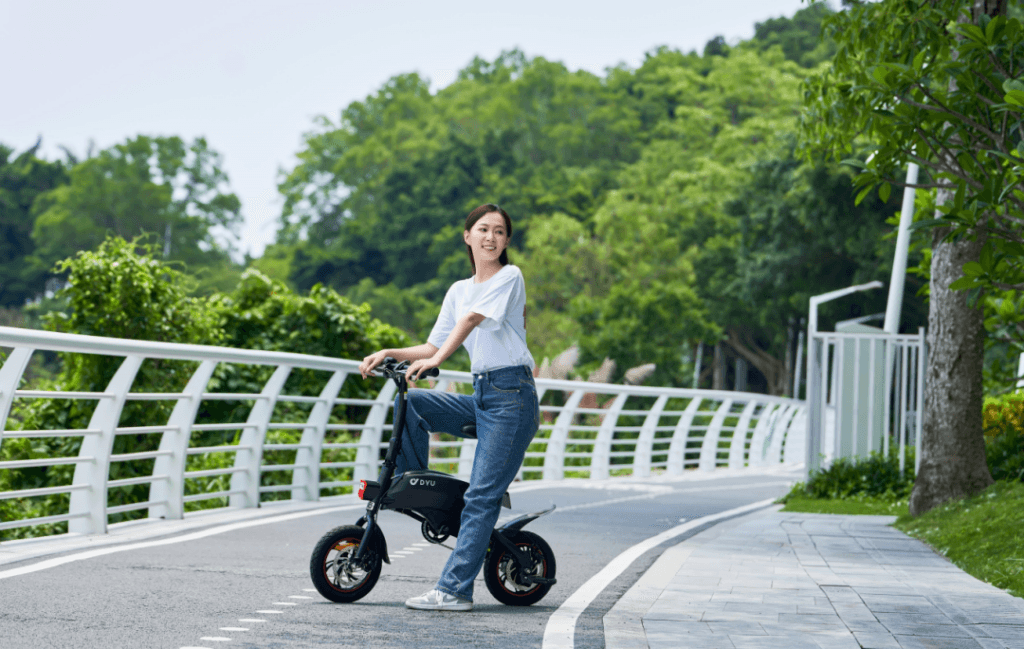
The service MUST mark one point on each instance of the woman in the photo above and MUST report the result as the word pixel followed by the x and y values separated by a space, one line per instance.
pixel 486 314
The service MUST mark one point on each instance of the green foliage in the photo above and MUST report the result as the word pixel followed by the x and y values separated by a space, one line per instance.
pixel 982 535
pixel 1003 421
pixel 161 186
pixel 799 37
pixel 927 81
pixel 22 180
pixel 619 188
pixel 875 476
pixel 123 290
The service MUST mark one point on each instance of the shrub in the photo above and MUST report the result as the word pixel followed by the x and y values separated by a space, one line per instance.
pixel 1003 420
pixel 875 476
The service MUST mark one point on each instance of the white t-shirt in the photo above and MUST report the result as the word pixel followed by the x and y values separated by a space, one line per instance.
pixel 498 341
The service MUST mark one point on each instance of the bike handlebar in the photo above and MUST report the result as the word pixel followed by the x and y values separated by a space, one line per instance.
pixel 392 369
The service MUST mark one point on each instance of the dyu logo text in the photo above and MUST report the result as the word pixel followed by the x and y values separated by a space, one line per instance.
pixel 421 481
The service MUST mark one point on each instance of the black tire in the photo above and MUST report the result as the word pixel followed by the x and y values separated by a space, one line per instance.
pixel 500 571
pixel 332 575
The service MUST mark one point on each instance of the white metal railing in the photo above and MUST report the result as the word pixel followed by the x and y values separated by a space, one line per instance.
pixel 635 430
pixel 865 392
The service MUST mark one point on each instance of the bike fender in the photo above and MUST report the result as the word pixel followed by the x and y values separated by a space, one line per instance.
pixel 382 545
pixel 520 522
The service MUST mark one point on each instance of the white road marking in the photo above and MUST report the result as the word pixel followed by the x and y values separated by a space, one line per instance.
pixel 233 628
pixel 285 604
pixel 561 627
pixel 250 619
pixel 400 552
pixel 269 612
pixel 423 544
pixel 298 597
pixel 216 639
pixel 202 534
pixel 413 548
pixel 309 590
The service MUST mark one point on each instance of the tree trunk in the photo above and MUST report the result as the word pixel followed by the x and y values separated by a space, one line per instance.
pixel 952 444
pixel 953 461
pixel 718 375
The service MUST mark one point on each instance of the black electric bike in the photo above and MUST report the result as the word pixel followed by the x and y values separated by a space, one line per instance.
pixel 519 569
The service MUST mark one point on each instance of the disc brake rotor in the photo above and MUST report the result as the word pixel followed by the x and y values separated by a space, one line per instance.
pixel 509 572
pixel 345 572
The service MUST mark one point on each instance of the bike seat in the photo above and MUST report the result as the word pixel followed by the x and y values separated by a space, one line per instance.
pixel 469 430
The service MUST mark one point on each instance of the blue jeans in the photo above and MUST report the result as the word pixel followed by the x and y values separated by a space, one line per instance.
pixel 505 410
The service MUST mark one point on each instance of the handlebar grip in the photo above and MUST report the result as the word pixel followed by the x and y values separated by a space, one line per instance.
pixel 432 372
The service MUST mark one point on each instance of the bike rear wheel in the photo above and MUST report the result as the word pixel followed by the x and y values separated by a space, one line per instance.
pixel 333 571
pixel 502 576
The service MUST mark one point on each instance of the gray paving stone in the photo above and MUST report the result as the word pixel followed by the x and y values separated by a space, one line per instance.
pixel 817 581
pixel 1005 631
pixel 927 630
pixel 916 642
pixel 772 642
pixel 909 618
pixel 876 640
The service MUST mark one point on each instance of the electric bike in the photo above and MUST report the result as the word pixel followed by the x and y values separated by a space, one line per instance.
pixel 519 568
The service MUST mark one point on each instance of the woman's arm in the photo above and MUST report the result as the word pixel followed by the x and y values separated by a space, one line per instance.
pixel 462 329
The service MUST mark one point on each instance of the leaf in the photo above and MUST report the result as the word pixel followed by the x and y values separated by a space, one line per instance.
pixel 928 223
pixel 1013 84
pixel 884 191
pixel 963 283
pixel 861 195
pixel 973 269
pixel 1015 97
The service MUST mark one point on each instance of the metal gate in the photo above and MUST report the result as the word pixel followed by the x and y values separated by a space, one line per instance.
pixel 864 393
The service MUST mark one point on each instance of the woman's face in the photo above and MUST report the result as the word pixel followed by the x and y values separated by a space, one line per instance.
pixel 487 238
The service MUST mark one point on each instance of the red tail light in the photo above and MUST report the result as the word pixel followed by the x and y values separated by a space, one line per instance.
pixel 362 488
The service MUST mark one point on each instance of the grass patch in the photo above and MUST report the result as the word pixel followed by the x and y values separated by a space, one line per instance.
pixel 982 535
pixel 859 504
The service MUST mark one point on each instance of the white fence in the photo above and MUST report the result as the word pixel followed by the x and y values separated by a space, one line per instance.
pixel 591 430
pixel 865 392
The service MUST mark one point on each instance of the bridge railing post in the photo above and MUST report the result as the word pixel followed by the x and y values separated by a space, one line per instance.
pixel 680 436
pixel 245 481
pixel 642 457
pixel 709 447
pixel 554 455
pixel 600 461
pixel 10 377
pixel 306 475
pixel 89 504
pixel 168 493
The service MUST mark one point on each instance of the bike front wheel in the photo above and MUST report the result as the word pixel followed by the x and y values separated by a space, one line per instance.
pixel 334 571
pixel 503 578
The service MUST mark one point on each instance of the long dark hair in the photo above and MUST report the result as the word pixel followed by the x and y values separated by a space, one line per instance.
pixel 475 216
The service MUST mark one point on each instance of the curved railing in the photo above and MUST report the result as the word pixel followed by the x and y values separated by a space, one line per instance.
pixel 588 430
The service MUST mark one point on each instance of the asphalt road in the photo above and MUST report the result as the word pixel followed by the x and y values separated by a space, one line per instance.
pixel 251 587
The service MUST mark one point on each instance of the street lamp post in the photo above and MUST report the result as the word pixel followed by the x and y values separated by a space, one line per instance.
pixel 815 350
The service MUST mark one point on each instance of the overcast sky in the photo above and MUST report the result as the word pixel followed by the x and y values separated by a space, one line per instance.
pixel 250 76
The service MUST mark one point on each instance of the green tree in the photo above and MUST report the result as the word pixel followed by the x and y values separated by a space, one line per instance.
pixel 22 179
pixel 937 82
pixel 160 186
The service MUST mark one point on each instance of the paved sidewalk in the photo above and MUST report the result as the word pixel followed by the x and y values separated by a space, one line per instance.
pixel 794 581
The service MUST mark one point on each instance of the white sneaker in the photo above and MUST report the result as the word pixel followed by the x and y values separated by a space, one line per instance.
pixel 436 600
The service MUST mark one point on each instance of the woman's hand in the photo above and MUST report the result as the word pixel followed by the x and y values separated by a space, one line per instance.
pixel 420 366
pixel 372 361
